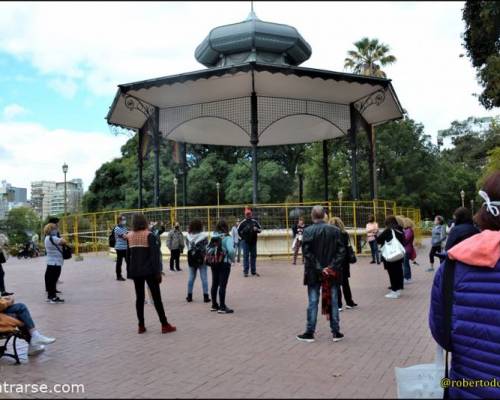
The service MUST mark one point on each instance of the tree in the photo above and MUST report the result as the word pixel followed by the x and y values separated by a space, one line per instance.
pixel 493 165
pixel 20 224
pixel 369 57
pixel 482 42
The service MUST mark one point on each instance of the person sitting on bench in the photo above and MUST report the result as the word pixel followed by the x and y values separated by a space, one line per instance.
pixel 16 315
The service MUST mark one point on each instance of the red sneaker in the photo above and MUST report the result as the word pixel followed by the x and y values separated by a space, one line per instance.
pixel 167 328
pixel 142 329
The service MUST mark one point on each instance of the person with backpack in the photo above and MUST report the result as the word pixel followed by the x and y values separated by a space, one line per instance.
pixel 196 244
pixel 464 314
pixel 120 245
pixel 219 256
pixel 143 267
pixel 248 230
pixel 394 267
pixel 55 260
pixel 175 243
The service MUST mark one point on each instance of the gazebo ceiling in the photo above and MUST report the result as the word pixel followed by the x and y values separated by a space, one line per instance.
pixel 296 104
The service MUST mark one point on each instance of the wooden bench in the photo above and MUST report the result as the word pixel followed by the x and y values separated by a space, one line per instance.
pixel 10 337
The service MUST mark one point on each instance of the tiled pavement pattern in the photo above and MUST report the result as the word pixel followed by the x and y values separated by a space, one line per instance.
pixel 251 353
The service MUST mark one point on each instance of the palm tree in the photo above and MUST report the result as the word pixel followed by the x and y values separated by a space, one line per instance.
pixel 369 57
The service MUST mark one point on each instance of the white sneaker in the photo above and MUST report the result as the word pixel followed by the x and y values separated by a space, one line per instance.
pixel 39 340
pixel 408 281
pixel 341 309
pixel 393 295
pixel 34 350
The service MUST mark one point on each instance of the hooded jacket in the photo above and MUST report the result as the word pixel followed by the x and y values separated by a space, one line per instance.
pixel 475 321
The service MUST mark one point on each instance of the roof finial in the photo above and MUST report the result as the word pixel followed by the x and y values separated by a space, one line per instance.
pixel 252 13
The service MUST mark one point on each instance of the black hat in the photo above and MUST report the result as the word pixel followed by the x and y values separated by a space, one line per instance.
pixel 53 220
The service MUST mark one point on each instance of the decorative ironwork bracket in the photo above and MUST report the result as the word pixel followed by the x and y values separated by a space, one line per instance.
pixel 376 98
pixel 133 103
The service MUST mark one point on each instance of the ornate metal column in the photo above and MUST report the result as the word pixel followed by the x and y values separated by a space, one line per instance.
pixel 325 168
pixel 140 163
pixel 156 144
pixel 254 140
pixel 352 138
pixel 370 161
pixel 184 173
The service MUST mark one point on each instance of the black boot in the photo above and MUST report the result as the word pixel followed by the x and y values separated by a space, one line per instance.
pixel 189 297
pixel 206 299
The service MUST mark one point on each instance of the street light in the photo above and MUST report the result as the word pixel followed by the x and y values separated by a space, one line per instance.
pixel 462 195
pixel 218 200
pixel 175 197
pixel 65 170
pixel 340 194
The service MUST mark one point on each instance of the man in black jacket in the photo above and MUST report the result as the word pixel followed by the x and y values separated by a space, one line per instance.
pixel 324 253
pixel 248 231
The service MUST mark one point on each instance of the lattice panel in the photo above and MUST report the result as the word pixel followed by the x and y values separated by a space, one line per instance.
pixel 234 110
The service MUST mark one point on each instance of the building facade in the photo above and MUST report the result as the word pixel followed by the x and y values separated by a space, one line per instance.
pixel 11 197
pixel 47 197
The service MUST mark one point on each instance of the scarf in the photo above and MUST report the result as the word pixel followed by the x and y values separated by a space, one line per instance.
pixel 329 278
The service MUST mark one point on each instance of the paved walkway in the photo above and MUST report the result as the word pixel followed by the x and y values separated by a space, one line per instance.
pixel 252 353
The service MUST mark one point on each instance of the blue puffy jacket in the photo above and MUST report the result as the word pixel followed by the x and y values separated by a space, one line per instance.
pixel 475 325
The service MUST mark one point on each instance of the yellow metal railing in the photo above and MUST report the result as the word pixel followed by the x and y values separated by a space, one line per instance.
pixel 88 232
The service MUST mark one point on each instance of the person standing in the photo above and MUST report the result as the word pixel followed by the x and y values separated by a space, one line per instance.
pixel 410 253
pixel 236 240
pixel 393 268
pixel 196 243
pixel 4 255
pixel 324 254
pixel 175 243
pixel 53 247
pixel 464 313
pixel 462 229
pixel 143 267
pixel 346 265
pixel 120 230
pixel 248 231
pixel 221 271
pixel 371 236
pixel 438 239
pixel 298 232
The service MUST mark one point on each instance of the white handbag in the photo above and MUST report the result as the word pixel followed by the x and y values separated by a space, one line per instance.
pixel 421 381
pixel 393 250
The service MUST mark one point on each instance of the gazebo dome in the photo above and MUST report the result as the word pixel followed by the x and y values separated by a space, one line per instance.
pixel 253 40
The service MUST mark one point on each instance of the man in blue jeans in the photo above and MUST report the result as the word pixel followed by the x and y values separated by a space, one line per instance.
pixel 248 231
pixel 324 254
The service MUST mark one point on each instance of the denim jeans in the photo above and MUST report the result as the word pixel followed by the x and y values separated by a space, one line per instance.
pixel 374 249
pixel 249 257
pixel 21 312
pixel 406 267
pixel 237 250
pixel 203 276
pixel 313 292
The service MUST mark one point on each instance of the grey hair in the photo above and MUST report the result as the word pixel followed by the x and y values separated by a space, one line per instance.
pixel 317 213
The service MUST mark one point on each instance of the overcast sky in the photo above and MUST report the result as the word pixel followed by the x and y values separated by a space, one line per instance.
pixel 60 64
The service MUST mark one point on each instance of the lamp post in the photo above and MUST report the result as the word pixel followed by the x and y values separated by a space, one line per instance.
pixel 218 200
pixel 462 195
pixel 340 194
pixel 65 170
pixel 175 197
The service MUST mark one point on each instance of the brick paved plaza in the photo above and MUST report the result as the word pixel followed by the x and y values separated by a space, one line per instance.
pixel 252 353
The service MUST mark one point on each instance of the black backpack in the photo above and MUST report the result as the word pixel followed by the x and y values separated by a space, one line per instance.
pixel 215 254
pixel 247 232
pixel 112 238
pixel 196 254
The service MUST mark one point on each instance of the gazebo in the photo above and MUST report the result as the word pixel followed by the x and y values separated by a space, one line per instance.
pixel 253 93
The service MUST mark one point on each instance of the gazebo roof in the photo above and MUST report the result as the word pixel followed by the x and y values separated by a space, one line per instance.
pixel 278 87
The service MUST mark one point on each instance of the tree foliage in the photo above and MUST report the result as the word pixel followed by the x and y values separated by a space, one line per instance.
pixel 20 224
pixel 482 42
pixel 368 58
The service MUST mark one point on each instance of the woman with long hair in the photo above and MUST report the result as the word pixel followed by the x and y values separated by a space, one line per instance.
pixel 144 266
pixel 346 270
pixel 196 244
pixel 393 268
pixel 220 272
